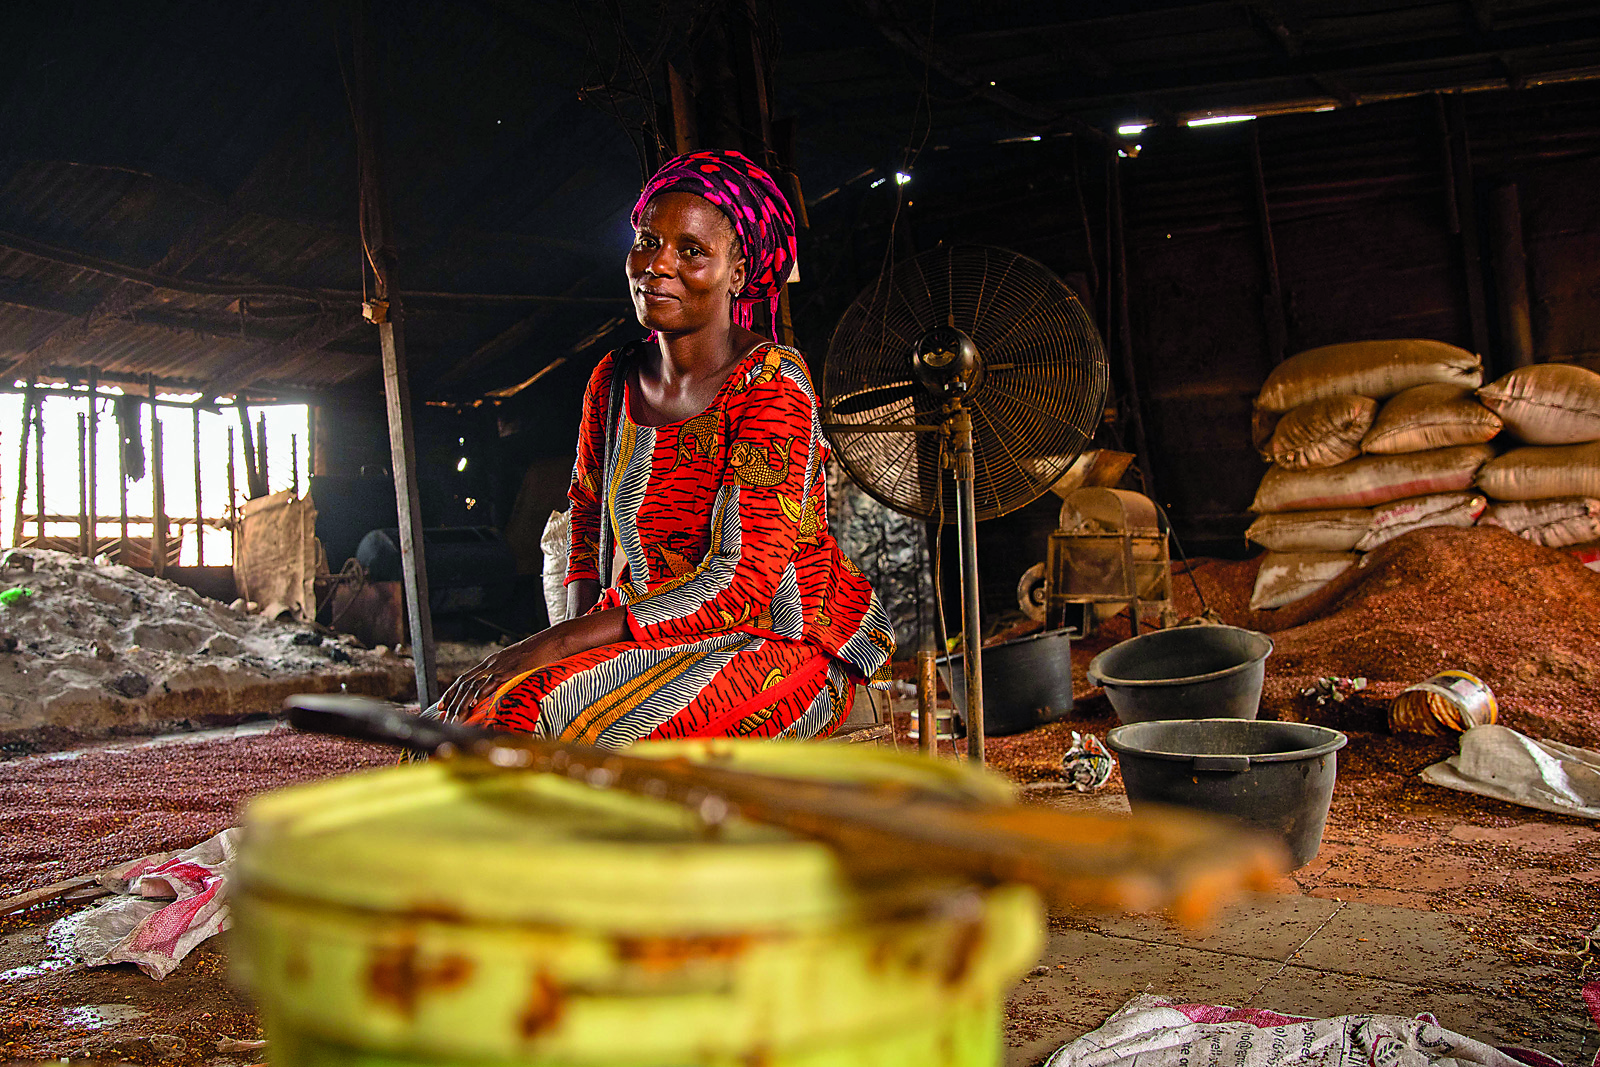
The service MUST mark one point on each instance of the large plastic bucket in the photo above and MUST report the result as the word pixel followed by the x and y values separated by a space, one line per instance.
pixel 1275 775
pixel 422 914
pixel 1189 672
pixel 1026 682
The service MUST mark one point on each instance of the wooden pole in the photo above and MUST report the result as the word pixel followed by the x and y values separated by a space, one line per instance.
pixel 83 484
pixel 1276 328
pixel 94 462
pixel 927 704
pixel 254 483
pixel 1467 216
pixel 229 512
pixel 38 464
pixel 294 464
pixel 313 413
pixel 1083 220
pixel 199 511
pixel 122 495
pixel 158 493
pixel 385 312
pixel 261 454
pixel 22 464
pixel 1130 378
pixel 1510 261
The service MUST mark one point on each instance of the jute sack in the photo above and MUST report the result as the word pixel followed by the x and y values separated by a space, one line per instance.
pixel 1437 509
pixel 1335 530
pixel 1552 523
pixel 1430 416
pixel 1547 404
pixel 1371 480
pixel 1321 433
pixel 1541 471
pixel 1378 369
pixel 1287 576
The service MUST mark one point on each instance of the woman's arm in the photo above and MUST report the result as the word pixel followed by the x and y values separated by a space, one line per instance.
pixel 545 647
pixel 582 594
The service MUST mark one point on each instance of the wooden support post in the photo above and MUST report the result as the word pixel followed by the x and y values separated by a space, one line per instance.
pixel 229 512
pixel 38 465
pixel 927 704
pixel 1466 217
pixel 255 479
pixel 385 312
pixel 199 511
pixel 94 462
pixel 312 413
pixel 122 496
pixel 158 495
pixel 1510 262
pixel 261 454
pixel 294 464
pixel 1083 220
pixel 83 484
pixel 1272 316
pixel 685 138
pixel 1124 329
pixel 22 464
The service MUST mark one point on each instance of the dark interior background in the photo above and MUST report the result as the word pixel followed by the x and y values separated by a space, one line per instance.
pixel 178 200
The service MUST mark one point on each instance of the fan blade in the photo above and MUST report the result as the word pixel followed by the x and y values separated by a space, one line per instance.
pixel 869 399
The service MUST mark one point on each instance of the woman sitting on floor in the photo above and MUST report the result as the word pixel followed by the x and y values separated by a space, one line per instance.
pixel 701 455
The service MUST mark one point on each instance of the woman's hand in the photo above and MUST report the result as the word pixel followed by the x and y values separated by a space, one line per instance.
pixel 548 646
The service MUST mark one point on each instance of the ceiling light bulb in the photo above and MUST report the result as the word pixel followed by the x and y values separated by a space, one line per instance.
pixel 1133 129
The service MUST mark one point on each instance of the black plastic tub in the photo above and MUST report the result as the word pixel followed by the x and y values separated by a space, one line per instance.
pixel 1275 775
pixel 1026 682
pixel 1189 672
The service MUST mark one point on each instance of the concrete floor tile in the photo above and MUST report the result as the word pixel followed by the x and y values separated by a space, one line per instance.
pixel 1366 894
pixel 1265 926
pixel 1421 948
pixel 1102 972
pixel 1499 1020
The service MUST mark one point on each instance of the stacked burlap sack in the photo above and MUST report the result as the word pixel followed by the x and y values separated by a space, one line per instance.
pixel 1371 439
pixel 1546 487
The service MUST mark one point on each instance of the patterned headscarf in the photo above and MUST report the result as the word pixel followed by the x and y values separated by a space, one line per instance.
pixel 761 216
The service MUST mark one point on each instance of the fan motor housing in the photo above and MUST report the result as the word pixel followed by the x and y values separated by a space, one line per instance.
pixel 947 362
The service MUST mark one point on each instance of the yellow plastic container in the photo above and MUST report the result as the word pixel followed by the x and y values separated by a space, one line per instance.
pixel 422 915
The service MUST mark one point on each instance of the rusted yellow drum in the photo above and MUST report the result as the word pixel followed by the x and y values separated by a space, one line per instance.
pixel 423 914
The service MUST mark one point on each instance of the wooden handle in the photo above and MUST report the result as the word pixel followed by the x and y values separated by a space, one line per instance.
pixel 1177 859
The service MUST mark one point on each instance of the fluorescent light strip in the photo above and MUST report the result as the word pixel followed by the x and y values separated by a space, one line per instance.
pixel 1220 120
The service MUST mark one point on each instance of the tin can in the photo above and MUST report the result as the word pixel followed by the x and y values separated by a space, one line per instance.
pixel 1451 702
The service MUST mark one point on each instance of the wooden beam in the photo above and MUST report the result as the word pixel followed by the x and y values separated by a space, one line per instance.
pixel 1040 118
pixel 386 311
pixel 1509 259
pixel 1467 212
pixel 506 341
pixel 1124 324
pixel 123 272
pixel 93 389
pixel 1274 323
pixel 274 356
pixel 1269 22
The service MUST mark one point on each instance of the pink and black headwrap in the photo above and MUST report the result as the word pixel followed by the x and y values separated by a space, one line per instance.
pixel 761 217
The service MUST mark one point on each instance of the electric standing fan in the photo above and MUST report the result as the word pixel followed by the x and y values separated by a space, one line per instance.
pixel 971 359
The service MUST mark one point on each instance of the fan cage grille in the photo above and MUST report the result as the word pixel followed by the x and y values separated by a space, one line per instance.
pixel 1042 397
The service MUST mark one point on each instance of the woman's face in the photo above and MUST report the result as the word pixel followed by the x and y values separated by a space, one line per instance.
pixel 685 265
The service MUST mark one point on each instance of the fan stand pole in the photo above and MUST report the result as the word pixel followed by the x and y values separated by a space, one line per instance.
pixel 971 622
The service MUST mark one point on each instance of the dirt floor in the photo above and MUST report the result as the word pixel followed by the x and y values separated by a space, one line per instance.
pixel 1498 883
pixel 1513 882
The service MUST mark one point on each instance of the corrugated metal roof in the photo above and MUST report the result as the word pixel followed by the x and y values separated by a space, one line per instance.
pixel 211 144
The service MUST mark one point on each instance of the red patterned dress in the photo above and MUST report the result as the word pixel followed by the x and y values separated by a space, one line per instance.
pixel 746 619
